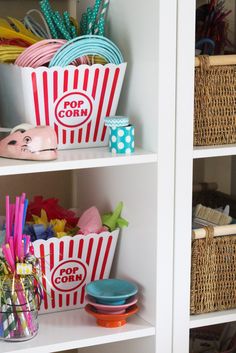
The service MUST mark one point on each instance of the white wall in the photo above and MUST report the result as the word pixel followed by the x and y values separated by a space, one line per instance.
pixel 219 170
pixel 215 170
pixel 45 184
pixel 18 8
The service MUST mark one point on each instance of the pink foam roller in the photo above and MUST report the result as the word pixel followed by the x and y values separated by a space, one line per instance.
pixel 42 52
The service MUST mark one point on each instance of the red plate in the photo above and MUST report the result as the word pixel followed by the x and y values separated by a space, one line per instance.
pixel 111 320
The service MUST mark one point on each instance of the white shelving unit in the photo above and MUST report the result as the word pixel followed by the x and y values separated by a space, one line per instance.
pixel 77 159
pixel 212 318
pixel 60 338
pixel 143 180
pixel 185 156
pixel 216 151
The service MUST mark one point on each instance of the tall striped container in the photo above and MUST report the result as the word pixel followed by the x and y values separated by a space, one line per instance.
pixel 73 100
pixel 69 263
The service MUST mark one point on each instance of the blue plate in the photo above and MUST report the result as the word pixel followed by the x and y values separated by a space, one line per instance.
pixel 111 291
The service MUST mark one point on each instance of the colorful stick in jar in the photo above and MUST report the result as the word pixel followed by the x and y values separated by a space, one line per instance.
pixel 25 326
pixel 8 319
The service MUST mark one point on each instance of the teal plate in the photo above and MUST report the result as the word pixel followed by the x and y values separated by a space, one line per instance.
pixel 111 291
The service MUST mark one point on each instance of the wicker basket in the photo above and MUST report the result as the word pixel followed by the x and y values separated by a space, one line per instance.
pixel 213 272
pixel 215 100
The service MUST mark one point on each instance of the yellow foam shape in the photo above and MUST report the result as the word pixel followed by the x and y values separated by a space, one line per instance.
pixel 10 52
pixel 11 58
pixel 22 29
pixel 5 23
pixel 11 48
pixel 6 31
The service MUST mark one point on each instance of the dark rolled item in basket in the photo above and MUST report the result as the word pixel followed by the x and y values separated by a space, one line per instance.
pixel 215 199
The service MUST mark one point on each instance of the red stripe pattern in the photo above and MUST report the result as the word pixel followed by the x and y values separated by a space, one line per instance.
pixel 110 102
pixel 104 86
pixel 46 98
pixel 101 85
pixel 43 269
pixel 90 255
pixel 36 98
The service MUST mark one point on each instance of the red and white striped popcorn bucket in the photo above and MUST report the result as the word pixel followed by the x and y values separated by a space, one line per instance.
pixel 73 100
pixel 69 263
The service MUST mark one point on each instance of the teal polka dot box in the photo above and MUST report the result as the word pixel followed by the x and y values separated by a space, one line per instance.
pixel 121 138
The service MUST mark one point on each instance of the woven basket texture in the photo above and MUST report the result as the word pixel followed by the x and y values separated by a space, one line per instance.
pixel 213 274
pixel 214 104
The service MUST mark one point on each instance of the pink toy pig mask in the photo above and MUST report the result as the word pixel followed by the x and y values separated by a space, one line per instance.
pixel 30 143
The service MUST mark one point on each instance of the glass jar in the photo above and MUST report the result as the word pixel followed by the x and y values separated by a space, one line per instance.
pixel 19 305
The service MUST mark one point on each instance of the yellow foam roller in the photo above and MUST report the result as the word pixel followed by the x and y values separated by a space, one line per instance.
pixel 23 269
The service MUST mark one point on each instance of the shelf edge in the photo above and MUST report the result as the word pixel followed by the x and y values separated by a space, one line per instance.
pixel 212 318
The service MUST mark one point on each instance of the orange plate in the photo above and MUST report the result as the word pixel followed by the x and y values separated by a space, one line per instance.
pixel 111 320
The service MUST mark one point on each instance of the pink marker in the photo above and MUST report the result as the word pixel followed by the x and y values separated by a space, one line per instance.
pixel 7 219
pixel 11 244
pixel 12 213
pixel 8 256
pixel 23 196
pixel 19 230
pixel 16 217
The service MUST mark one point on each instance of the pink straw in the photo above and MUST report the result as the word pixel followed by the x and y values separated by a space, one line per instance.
pixel 23 196
pixel 11 244
pixel 19 230
pixel 16 217
pixel 7 219
pixel 12 212
pixel 8 256
pixel 16 226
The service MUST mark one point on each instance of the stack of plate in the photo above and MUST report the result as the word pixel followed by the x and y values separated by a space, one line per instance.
pixel 111 301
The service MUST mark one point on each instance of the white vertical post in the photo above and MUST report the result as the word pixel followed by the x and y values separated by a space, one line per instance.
pixel 166 94
pixel 183 173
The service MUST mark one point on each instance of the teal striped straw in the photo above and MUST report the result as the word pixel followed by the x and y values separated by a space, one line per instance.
pixel 46 12
pixel 74 33
pixel 83 24
pixel 95 13
pixel 93 21
pixel 66 18
pixel 100 27
pixel 104 8
pixel 89 20
pixel 59 24
pixel 69 26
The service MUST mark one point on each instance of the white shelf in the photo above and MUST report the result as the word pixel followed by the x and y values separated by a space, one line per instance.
pixel 76 329
pixel 214 318
pixel 214 151
pixel 76 159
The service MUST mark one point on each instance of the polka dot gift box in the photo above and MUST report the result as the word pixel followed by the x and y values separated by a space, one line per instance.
pixel 121 138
